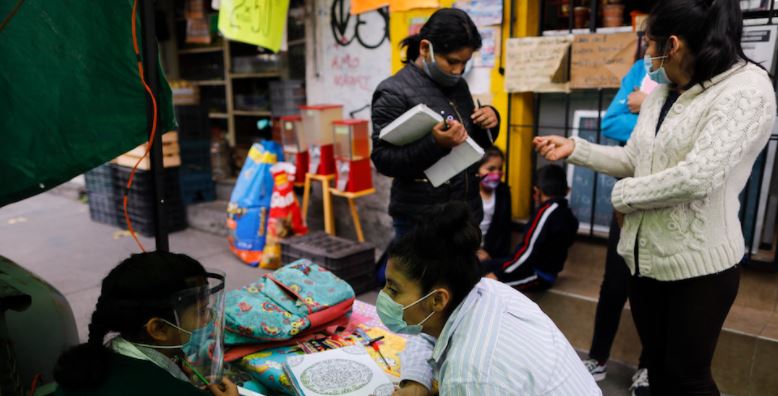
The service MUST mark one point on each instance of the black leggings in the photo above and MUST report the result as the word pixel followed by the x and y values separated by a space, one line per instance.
pixel 679 324
pixel 613 295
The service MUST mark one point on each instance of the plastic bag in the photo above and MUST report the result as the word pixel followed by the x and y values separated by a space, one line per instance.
pixel 285 217
pixel 247 213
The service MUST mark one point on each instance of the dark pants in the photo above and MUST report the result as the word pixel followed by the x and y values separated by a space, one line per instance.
pixel 401 226
pixel 679 324
pixel 524 278
pixel 613 295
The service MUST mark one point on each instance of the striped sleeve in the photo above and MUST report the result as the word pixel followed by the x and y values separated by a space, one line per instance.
pixel 414 365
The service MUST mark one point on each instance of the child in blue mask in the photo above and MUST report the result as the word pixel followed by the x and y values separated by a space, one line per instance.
pixel 158 306
pixel 477 335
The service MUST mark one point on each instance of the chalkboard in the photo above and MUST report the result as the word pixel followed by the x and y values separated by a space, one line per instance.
pixel 583 180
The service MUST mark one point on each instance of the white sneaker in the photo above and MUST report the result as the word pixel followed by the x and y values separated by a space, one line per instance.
pixel 596 369
pixel 640 383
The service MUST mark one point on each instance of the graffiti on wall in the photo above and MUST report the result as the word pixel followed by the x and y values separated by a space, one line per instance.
pixel 369 30
pixel 355 56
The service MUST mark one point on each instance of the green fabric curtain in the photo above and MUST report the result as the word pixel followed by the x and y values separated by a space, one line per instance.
pixel 70 94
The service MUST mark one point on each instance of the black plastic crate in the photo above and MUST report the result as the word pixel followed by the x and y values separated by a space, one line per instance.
pixel 345 258
pixel 193 122
pixel 142 183
pixel 103 208
pixel 100 180
pixel 197 187
pixel 195 154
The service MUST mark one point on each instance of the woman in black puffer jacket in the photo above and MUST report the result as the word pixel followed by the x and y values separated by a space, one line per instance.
pixel 435 61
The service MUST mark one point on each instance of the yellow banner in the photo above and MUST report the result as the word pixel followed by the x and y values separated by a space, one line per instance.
pixel 360 6
pixel 405 5
pixel 258 22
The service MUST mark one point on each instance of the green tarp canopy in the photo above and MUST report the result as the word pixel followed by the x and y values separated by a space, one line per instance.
pixel 70 94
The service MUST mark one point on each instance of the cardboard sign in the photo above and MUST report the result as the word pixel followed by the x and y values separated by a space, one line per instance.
pixel 601 60
pixel 537 64
pixel 258 22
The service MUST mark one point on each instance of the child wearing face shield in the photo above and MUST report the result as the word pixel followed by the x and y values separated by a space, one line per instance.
pixel 496 197
pixel 480 336
pixel 435 62
pixel 163 314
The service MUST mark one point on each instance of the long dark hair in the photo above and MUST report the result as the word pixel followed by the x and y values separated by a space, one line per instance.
pixel 138 289
pixel 711 29
pixel 442 250
pixel 448 29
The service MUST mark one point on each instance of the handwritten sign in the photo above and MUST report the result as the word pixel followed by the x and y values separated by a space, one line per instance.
pixel 258 22
pixel 537 64
pixel 601 60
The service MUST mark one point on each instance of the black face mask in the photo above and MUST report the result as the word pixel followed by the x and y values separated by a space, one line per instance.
pixel 436 74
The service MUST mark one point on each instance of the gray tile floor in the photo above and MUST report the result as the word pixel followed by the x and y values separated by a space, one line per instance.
pixel 53 236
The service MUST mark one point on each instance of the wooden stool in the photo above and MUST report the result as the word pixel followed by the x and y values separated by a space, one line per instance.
pixel 329 222
pixel 350 196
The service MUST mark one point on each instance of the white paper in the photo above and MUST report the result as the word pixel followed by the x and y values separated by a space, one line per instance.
pixel 459 159
pixel 344 371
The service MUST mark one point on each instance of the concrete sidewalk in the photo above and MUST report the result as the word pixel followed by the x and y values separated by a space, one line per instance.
pixel 52 236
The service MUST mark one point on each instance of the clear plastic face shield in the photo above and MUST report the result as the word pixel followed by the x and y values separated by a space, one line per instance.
pixel 199 318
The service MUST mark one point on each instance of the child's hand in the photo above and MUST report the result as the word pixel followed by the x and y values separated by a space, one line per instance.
pixel 635 100
pixel 554 148
pixel 226 388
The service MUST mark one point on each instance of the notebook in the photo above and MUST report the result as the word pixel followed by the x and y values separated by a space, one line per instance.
pixel 415 124
pixel 459 159
pixel 344 371
pixel 411 126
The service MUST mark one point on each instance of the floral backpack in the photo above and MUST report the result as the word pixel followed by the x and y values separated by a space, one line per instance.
pixel 284 304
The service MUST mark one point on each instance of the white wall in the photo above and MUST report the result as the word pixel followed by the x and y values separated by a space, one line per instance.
pixel 345 74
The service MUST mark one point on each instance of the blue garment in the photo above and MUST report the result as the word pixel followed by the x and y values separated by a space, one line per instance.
pixel 618 122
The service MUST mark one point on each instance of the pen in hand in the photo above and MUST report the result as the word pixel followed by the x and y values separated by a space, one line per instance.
pixel 488 130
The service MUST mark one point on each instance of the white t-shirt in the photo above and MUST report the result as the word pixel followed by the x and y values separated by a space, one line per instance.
pixel 488 214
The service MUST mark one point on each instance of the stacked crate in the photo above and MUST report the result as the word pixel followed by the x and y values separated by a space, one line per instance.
pixel 140 202
pixel 351 261
pixel 195 178
pixel 101 195
pixel 286 97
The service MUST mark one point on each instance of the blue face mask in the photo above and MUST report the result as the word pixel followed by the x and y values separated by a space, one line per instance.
pixel 659 75
pixel 391 314
pixel 436 74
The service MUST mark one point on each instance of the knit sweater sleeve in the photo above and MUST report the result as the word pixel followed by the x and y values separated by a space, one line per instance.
pixel 730 128
pixel 612 160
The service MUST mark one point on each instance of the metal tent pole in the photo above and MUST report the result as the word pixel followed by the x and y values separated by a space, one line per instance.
pixel 151 72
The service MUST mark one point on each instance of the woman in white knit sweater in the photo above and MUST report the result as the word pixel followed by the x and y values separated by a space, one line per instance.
pixel 681 172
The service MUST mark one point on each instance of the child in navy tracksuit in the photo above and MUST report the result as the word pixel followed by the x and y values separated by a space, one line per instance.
pixel 542 252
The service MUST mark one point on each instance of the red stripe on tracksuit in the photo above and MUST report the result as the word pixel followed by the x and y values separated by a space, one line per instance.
pixel 527 237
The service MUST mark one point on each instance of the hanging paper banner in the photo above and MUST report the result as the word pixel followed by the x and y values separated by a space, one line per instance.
pixel 362 6
pixel 405 5
pixel 258 22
